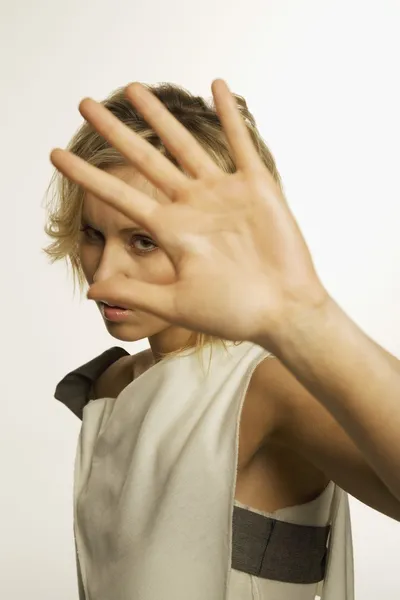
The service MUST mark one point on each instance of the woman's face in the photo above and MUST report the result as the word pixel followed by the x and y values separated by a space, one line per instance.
pixel 111 244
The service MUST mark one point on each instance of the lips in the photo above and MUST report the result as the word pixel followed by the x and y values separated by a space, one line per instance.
pixel 116 314
pixel 113 305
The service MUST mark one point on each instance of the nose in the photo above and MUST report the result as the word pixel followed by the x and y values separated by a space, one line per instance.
pixel 113 261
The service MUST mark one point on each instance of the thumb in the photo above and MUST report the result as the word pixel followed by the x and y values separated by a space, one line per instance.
pixel 158 300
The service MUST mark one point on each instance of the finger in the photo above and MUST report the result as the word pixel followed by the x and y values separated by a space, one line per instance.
pixel 244 153
pixel 158 300
pixel 134 204
pixel 146 158
pixel 190 154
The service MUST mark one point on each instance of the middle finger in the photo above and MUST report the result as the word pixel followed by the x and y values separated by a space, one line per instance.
pixel 179 141
pixel 149 161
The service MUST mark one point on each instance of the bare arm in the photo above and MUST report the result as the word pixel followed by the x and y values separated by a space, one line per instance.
pixel 309 430
pixel 353 378
pixel 240 260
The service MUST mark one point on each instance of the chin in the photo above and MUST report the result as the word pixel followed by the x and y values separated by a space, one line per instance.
pixel 124 333
pixel 134 332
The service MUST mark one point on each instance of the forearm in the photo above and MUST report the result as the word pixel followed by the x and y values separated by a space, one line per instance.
pixel 356 380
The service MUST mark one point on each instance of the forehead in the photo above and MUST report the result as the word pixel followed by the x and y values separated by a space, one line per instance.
pixel 99 213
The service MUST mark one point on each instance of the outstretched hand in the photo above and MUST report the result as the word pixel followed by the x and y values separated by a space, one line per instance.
pixel 242 266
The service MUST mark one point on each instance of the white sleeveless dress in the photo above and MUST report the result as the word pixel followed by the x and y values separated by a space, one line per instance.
pixel 154 493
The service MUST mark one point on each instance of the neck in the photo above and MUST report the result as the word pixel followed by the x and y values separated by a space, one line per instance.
pixel 170 340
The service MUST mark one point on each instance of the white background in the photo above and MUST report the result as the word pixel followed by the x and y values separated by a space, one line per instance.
pixel 322 78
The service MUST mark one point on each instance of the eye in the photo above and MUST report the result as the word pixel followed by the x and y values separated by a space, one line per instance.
pixel 90 234
pixel 143 244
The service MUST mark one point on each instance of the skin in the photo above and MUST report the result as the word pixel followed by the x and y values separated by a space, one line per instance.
pixel 113 245
pixel 284 460
pixel 110 245
pixel 242 271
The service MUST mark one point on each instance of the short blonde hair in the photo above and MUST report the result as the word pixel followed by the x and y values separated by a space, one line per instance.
pixel 65 200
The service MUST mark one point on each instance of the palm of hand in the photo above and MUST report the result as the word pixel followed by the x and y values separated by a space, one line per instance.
pixel 239 257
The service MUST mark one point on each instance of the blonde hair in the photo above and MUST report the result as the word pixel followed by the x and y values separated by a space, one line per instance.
pixel 64 204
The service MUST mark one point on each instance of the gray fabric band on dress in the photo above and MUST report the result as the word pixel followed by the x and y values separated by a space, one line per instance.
pixel 74 389
pixel 271 549
pixel 261 546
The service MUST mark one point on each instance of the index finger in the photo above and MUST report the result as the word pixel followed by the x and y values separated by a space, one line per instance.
pixel 131 202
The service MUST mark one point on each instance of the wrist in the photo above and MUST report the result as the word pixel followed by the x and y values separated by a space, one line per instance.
pixel 298 320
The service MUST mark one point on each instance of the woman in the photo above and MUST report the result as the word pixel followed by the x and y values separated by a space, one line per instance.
pixel 214 478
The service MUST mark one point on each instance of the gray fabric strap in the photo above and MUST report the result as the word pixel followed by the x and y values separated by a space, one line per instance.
pixel 277 550
pixel 74 389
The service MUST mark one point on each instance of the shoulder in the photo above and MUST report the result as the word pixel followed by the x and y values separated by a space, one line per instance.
pixel 142 361
pixel 120 374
